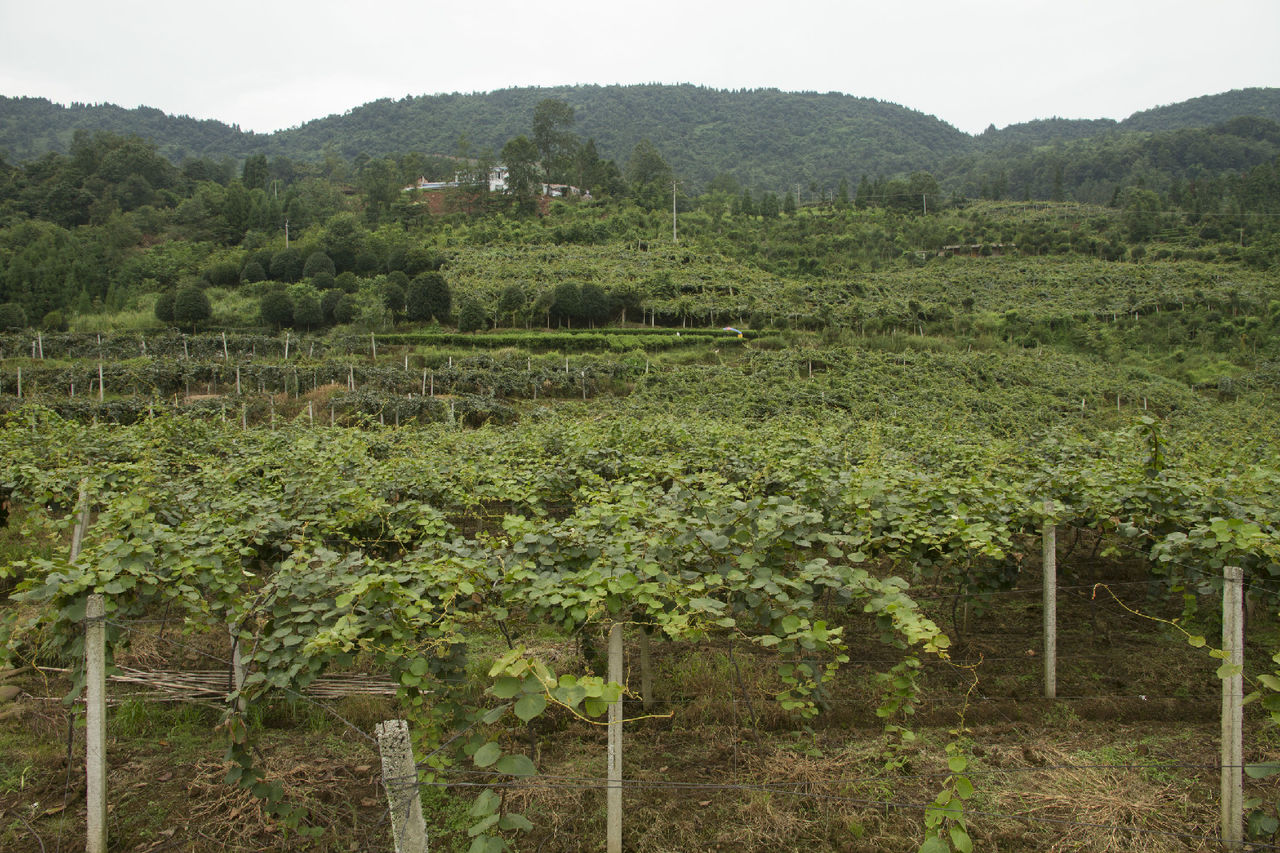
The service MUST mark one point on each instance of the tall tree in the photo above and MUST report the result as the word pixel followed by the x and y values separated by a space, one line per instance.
pixel 520 156
pixel 649 175
pixel 552 121
pixel 256 172
pixel 427 298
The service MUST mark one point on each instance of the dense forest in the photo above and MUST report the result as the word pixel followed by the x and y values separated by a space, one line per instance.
pixel 766 139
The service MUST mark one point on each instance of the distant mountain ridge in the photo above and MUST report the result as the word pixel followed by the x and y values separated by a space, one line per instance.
pixel 764 137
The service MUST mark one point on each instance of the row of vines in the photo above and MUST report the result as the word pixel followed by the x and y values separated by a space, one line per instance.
pixel 321 549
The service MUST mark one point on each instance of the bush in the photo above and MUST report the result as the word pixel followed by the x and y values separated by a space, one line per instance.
pixel 12 316
pixel 428 298
pixel 318 262
pixel 164 307
pixel 276 309
pixel 55 321
pixel 287 264
pixel 328 306
pixel 471 316
pixel 225 274
pixel 190 306
pixel 346 309
pixel 252 272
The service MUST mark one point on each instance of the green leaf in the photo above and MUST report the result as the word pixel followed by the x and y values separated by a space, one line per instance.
pixel 934 844
pixel 486 804
pixel 483 825
pixel 960 839
pixel 1262 771
pixel 495 714
pixel 505 687
pixel 1196 641
pixel 515 821
pixel 530 706
pixel 486 844
pixel 487 754
pixel 957 763
pixel 516 765
pixel 1228 670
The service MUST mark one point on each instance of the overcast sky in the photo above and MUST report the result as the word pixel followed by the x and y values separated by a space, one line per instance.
pixel 273 64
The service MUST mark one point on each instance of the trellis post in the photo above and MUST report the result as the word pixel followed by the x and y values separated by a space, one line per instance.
pixel 400 779
pixel 1232 701
pixel 95 660
pixel 614 804
pixel 1049 552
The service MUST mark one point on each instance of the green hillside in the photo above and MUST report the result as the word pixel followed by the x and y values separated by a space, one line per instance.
pixel 763 138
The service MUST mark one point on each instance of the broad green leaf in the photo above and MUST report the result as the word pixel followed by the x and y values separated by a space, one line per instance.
pixel 483 825
pixel 516 765
pixel 487 754
pixel 1262 771
pixel 505 687
pixel 515 821
pixel 487 844
pixel 486 804
pixel 530 706
pixel 960 839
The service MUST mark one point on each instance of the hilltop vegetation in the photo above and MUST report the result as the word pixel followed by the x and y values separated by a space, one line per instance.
pixel 765 139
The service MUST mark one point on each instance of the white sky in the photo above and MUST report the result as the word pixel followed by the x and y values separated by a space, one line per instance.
pixel 273 64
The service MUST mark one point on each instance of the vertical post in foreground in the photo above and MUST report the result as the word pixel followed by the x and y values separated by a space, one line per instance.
pixel 614 837
pixel 1232 700
pixel 1049 552
pixel 82 521
pixel 95 661
pixel 400 778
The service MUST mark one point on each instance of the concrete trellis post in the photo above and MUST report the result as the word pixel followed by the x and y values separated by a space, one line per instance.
pixel 1049 551
pixel 400 778
pixel 1232 712
pixel 95 658
pixel 614 797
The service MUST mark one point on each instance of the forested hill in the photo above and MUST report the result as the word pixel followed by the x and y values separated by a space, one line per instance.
pixel 764 138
